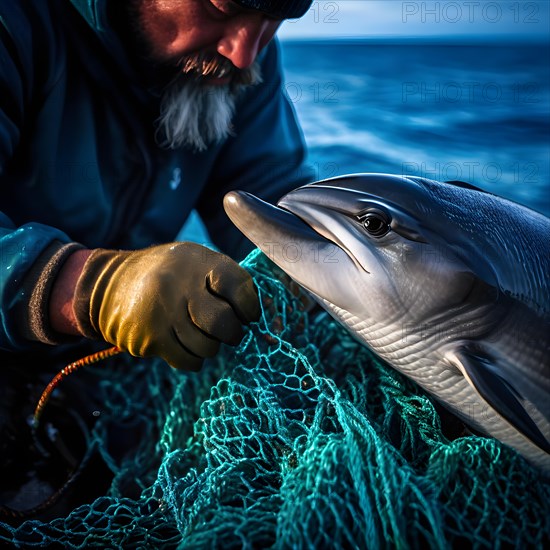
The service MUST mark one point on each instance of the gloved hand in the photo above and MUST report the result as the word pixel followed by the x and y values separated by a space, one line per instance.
pixel 177 301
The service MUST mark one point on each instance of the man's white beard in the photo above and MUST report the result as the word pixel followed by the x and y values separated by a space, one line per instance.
pixel 196 115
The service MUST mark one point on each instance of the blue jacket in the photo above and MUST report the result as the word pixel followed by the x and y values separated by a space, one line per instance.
pixel 78 161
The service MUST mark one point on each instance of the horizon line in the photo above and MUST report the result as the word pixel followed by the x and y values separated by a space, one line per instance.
pixel 460 38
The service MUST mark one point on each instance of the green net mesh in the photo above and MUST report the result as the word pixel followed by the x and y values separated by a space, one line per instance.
pixel 301 438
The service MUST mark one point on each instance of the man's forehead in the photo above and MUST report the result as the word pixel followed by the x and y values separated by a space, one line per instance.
pixel 279 9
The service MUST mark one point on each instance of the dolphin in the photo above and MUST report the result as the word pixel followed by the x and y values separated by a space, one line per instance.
pixel 447 283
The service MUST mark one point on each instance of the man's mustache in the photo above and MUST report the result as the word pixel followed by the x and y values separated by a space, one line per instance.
pixel 206 64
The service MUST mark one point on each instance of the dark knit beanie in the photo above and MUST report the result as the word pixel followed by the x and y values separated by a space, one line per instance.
pixel 281 9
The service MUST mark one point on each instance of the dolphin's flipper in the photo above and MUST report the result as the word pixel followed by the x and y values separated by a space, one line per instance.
pixel 483 374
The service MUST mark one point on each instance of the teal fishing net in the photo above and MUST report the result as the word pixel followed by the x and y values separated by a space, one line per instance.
pixel 298 438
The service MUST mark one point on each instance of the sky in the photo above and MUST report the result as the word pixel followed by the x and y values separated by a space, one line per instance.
pixel 403 18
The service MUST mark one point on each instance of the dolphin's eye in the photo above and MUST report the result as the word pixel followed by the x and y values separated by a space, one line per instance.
pixel 376 223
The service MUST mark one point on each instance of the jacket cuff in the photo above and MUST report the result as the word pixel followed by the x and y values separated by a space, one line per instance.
pixel 35 316
pixel 90 288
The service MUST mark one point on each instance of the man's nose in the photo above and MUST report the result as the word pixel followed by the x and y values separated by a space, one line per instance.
pixel 244 38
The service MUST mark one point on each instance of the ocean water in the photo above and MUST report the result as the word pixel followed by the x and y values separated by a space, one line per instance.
pixel 473 112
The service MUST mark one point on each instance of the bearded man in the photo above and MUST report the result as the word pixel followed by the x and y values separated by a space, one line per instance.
pixel 117 118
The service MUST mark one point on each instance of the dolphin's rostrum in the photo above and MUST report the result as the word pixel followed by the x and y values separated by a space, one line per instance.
pixel 449 284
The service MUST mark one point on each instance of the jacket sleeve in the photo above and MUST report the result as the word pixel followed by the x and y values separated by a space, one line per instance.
pixel 265 156
pixel 31 253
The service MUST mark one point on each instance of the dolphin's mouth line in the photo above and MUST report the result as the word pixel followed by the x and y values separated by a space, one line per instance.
pixel 322 238
pixel 314 232
pixel 268 225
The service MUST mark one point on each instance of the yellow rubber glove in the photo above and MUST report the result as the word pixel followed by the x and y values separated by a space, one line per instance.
pixel 178 301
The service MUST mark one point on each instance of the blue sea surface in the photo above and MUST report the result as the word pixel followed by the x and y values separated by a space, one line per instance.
pixel 477 112
pixel 474 112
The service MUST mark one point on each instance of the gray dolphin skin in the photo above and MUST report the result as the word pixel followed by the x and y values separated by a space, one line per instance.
pixel 447 283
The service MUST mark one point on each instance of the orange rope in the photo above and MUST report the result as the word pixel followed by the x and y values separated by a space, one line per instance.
pixel 88 360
